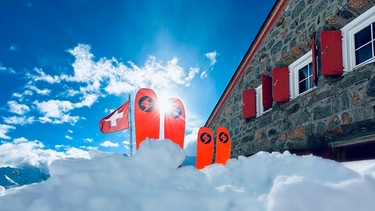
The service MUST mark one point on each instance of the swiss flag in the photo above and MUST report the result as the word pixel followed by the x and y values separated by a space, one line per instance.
pixel 117 120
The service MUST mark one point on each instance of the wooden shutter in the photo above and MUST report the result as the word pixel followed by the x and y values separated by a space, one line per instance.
pixel 331 52
pixel 313 59
pixel 249 103
pixel 266 91
pixel 280 84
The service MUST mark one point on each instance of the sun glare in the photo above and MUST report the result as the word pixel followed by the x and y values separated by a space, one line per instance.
pixel 164 104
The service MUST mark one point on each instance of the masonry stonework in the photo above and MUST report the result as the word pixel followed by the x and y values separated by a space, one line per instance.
pixel 339 108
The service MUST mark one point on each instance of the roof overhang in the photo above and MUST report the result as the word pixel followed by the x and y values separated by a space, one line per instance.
pixel 266 27
pixel 355 141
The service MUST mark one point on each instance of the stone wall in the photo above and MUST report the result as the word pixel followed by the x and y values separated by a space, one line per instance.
pixel 338 108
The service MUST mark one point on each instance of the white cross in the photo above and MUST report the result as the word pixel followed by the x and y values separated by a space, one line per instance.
pixel 114 118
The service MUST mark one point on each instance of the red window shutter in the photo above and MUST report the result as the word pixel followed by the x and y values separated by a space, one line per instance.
pixel 314 73
pixel 331 52
pixel 249 103
pixel 266 91
pixel 280 84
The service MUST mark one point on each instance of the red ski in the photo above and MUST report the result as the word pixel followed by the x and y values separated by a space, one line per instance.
pixel 146 116
pixel 174 122
pixel 205 148
pixel 223 145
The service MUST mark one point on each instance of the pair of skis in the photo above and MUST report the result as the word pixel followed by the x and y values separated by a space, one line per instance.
pixel 147 118
pixel 147 125
pixel 205 147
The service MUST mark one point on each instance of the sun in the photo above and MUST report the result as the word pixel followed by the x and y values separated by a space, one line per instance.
pixel 165 105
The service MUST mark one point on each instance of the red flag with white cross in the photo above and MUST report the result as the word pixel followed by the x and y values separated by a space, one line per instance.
pixel 117 120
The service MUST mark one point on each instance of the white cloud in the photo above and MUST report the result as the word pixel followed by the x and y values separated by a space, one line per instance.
pixel 21 96
pixel 203 74
pixel 212 57
pixel 40 91
pixel 56 111
pixel 91 79
pixel 72 92
pixel 7 69
pixel 118 78
pixel 42 76
pixel 90 140
pixel 54 108
pixel 66 118
pixel 192 72
pixel 20 140
pixel 17 108
pixel 21 152
pixel 83 64
pixel 70 131
pixel 58 146
pixel 4 129
pixel 109 144
pixel 68 137
pixel 19 120
pixel 89 147
pixel 88 100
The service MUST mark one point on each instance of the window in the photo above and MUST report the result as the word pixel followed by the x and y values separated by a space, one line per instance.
pixel 301 76
pixel 364 44
pixel 359 41
pixel 259 102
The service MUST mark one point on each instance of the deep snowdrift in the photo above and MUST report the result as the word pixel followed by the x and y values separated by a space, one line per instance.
pixel 151 180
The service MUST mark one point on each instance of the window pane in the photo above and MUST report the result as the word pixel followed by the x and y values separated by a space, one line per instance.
pixel 303 73
pixel 310 69
pixel 363 54
pixel 362 37
pixel 311 83
pixel 303 86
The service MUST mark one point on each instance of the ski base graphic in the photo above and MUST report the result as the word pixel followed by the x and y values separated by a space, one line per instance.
pixel 205 148
pixel 174 122
pixel 223 145
pixel 146 116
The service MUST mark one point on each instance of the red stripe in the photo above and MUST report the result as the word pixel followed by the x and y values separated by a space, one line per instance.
pixel 249 57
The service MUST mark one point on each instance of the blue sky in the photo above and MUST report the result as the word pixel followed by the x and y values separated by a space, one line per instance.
pixel 64 65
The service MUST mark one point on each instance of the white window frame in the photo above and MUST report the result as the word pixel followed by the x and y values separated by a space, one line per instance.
pixel 259 101
pixel 293 74
pixel 348 31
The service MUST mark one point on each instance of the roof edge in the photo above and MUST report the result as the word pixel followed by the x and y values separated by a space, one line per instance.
pixel 267 24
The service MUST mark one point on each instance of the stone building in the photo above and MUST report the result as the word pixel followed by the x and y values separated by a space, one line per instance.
pixel 306 83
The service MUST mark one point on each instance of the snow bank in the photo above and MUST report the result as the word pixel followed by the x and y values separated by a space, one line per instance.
pixel 151 180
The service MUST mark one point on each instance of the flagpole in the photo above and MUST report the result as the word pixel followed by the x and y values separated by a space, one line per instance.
pixel 130 126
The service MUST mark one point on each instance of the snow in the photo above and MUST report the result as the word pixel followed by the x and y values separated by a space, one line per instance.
pixel 152 180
